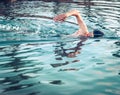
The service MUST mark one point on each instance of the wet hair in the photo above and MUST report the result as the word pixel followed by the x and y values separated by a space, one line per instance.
pixel 97 33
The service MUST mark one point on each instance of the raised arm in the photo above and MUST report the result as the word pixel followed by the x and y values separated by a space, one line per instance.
pixel 82 25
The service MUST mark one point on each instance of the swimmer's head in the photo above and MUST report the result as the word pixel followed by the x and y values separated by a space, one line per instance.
pixel 97 33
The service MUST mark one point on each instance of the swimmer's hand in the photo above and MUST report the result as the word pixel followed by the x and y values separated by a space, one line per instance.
pixel 60 17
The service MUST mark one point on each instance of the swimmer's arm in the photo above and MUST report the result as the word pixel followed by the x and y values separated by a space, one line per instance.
pixel 75 13
pixel 80 21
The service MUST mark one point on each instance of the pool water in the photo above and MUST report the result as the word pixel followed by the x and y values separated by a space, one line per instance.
pixel 36 58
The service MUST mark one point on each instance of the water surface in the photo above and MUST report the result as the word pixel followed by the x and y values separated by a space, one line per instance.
pixel 36 59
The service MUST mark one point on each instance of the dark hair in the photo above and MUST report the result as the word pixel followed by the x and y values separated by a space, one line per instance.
pixel 97 33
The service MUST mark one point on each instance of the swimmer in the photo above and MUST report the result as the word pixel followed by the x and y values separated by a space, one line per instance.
pixel 83 30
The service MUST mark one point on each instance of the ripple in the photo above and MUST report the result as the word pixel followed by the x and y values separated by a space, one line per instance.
pixel 117 54
pixel 18 87
pixel 117 43
pixel 57 82
pixel 34 93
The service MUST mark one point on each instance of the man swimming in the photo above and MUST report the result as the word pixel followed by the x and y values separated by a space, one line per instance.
pixel 83 30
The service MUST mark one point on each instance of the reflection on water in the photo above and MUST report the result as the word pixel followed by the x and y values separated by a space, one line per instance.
pixel 61 52
pixel 36 60
pixel 40 69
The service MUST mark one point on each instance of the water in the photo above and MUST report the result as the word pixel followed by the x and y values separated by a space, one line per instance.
pixel 36 59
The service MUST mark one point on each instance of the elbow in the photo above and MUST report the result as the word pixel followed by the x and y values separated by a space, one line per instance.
pixel 75 12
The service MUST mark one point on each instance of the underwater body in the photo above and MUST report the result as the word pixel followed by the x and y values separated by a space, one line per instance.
pixel 36 58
